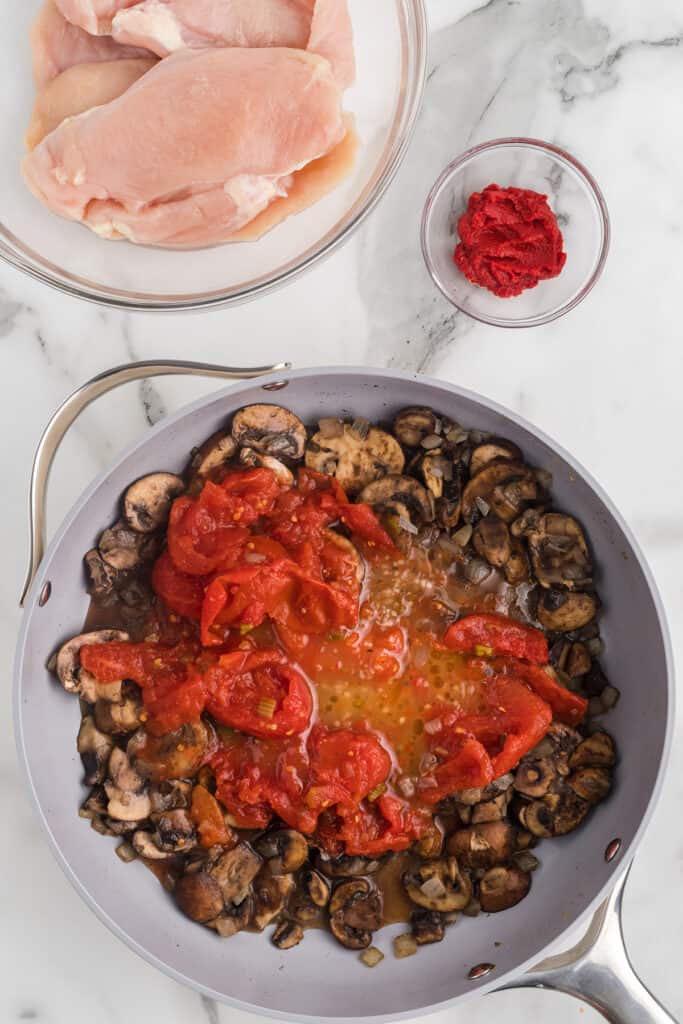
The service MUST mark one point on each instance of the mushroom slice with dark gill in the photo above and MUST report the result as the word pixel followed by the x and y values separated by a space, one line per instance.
pixel 355 913
pixel 145 844
pixel 596 751
pixel 287 935
pixel 257 460
pixel 554 815
pixel 560 611
pixel 235 870
pixel 271 893
pixel 147 502
pixel 346 866
pixel 485 845
pixel 491 540
pixel 516 569
pixel 213 455
pixel 170 795
pixel 398 493
pixel 534 778
pixel 68 664
pixel 591 784
pixel 439 885
pixel 94 747
pixel 356 456
pixel 124 549
pixel 119 717
pixel 128 798
pixel 316 887
pixel 234 918
pixel 176 755
pixel 286 850
pixel 504 486
pixel 493 448
pixel 271 430
pixel 427 926
pixel 414 424
pixel 502 888
pixel 199 896
pixel 558 548
pixel 175 831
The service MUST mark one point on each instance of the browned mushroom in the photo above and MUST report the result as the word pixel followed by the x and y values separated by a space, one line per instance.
pixel 355 913
pixel 147 502
pixel 213 455
pixel 490 810
pixel 560 611
pixel 94 747
pixel 397 494
pixel 175 831
pixel 287 935
pixel 68 663
pixel 491 540
pixel 355 457
pixel 534 778
pixel 121 716
pixel 175 755
pixel 235 918
pixel 285 850
pixel 591 784
pixel 578 661
pixel 504 486
pixel 344 866
pixel 493 448
pixel 316 887
pixel 124 549
pixel 170 795
pixel 282 473
pixel 596 751
pixel 271 893
pixel 502 888
pixel 102 579
pixel 414 424
pixel 516 569
pixel 559 553
pixel 555 815
pixel 125 789
pixel 439 885
pixel 483 846
pixel 427 926
pixel 431 844
pixel 271 430
pixel 234 871
pixel 199 896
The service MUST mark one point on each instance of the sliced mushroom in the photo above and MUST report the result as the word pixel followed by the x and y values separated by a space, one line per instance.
pixel 596 751
pixel 578 661
pixel 287 935
pixel 68 660
pixel 554 815
pixel 175 755
pixel 199 896
pixel 94 747
pixel 560 611
pixel 439 885
pixel 175 831
pixel 128 800
pixel 483 846
pixel 398 493
pixel 346 867
pixel 316 887
pixel 502 888
pixel 494 448
pixel 591 784
pixel 170 795
pixel 102 579
pixel 534 778
pixel 505 486
pixel 145 844
pixel 213 455
pixel 354 460
pixel 516 569
pixel 282 473
pixel 414 424
pixel 271 893
pixel 559 553
pixel 147 502
pixel 355 913
pixel 235 870
pixel 234 919
pixel 285 850
pixel 431 844
pixel 491 540
pixel 490 810
pixel 271 430
pixel 120 717
pixel 95 804
pixel 124 549
pixel 427 926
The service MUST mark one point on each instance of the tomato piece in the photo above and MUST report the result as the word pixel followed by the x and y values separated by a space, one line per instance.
pixel 363 522
pixel 199 542
pixel 567 707
pixel 386 824
pixel 182 593
pixel 345 767
pixel 489 634
pixel 171 703
pixel 258 694
pixel 468 766
pixel 116 660
pixel 207 816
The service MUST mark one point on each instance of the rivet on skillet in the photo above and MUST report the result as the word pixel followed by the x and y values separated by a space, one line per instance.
pixel 480 971
pixel 612 850
pixel 278 385
pixel 45 594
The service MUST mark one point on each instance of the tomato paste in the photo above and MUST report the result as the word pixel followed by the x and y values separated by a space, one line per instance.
pixel 509 240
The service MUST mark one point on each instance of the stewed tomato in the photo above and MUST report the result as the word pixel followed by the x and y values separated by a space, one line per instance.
pixel 489 634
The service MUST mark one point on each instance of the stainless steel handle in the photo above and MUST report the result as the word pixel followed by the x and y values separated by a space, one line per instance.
pixel 598 971
pixel 72 408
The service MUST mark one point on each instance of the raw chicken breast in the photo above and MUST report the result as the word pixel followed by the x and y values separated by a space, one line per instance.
pixel 194 150
pixel 56 45
pixel 94 16
pixel 80 88
pixel 163 26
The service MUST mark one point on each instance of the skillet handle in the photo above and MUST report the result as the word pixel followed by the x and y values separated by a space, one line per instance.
pixel 74 405
pixel 598 971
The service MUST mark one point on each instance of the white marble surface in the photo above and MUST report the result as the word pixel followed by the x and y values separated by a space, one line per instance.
pixel 601 78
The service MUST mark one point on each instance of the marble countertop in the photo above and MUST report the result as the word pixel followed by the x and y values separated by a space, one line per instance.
pixel 603 80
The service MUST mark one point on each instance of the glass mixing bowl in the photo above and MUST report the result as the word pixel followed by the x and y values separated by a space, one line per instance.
pixel 391 51
pixel 574 196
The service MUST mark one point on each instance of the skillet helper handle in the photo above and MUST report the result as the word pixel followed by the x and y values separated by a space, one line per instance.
pixel 79 400
pixel 598 971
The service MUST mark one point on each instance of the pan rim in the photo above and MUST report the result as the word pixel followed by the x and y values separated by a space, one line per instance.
pixel 628 850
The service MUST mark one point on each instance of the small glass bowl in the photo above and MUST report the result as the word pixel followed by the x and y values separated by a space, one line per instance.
pixel 573 195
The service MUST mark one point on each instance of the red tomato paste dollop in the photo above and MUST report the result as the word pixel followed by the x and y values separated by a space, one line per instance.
pixel 509 240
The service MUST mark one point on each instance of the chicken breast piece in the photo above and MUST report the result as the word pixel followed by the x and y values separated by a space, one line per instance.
pixel 81 88
pixel 57 45
pixel 94 16
pixel 195 149
pixel 332 37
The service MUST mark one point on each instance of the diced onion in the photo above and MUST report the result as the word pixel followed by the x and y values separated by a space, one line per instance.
pixel 406 525
pixel 372 956
pixel 433 888
pixel 404 945
pixel 433 726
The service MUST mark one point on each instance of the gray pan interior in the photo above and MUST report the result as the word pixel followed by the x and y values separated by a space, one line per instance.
pixel 318 979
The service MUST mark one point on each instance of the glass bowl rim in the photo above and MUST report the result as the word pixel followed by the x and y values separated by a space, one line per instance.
pixel 410 97
pixel 548 148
